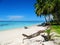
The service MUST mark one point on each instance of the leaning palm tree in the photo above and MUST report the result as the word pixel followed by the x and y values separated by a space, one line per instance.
pixel 45 7
pixel 39 7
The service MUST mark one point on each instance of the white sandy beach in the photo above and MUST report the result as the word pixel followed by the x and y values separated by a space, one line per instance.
pixel 14 36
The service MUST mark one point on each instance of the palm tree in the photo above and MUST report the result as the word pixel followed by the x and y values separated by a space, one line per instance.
pixel 44 7
pixel 39 7
pixel 47 7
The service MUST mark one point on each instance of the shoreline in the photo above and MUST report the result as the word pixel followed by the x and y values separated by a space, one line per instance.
pixel 20 27
pixel 12 35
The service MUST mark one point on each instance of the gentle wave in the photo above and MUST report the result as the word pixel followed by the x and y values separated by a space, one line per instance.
pixel 5 25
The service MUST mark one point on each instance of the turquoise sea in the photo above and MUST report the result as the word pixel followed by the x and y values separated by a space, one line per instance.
pixel 6 25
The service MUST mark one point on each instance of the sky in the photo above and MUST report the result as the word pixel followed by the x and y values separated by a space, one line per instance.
pixel 18 10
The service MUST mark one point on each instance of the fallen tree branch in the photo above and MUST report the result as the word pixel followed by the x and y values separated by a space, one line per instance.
pixel 33 35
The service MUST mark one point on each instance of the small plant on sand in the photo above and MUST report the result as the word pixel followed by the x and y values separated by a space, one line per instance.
pixel 48 34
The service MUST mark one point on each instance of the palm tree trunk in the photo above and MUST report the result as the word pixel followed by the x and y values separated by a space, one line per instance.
pixel 45 19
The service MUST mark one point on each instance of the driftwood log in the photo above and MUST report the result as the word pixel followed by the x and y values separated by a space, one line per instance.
pixel 36 34
pixel 33 35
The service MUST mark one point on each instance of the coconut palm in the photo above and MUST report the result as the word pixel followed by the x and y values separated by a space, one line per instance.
pixel 39 7
pixel 46 7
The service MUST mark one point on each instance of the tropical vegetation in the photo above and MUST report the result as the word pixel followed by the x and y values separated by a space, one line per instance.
pixel 47 7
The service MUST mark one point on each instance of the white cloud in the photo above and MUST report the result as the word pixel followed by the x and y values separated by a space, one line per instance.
pixel 15 17
pixel 11 18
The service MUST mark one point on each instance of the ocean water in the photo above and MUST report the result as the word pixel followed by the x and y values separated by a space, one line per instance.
pixel 6 25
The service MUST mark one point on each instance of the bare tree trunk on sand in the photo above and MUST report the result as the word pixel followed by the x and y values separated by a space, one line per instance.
pixel 33 35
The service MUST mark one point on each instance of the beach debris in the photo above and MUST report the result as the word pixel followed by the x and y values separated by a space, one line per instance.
pixel 45 37
pixel 26 27
pixel 39 25
pixel 33 35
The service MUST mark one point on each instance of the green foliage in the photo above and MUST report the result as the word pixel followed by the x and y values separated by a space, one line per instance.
pixel 56 28
pixel 48 7
pixel 44 7
pixel 48 31
pixel 48 34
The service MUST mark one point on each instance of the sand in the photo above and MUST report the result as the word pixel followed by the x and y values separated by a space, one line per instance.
pixel 14 36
